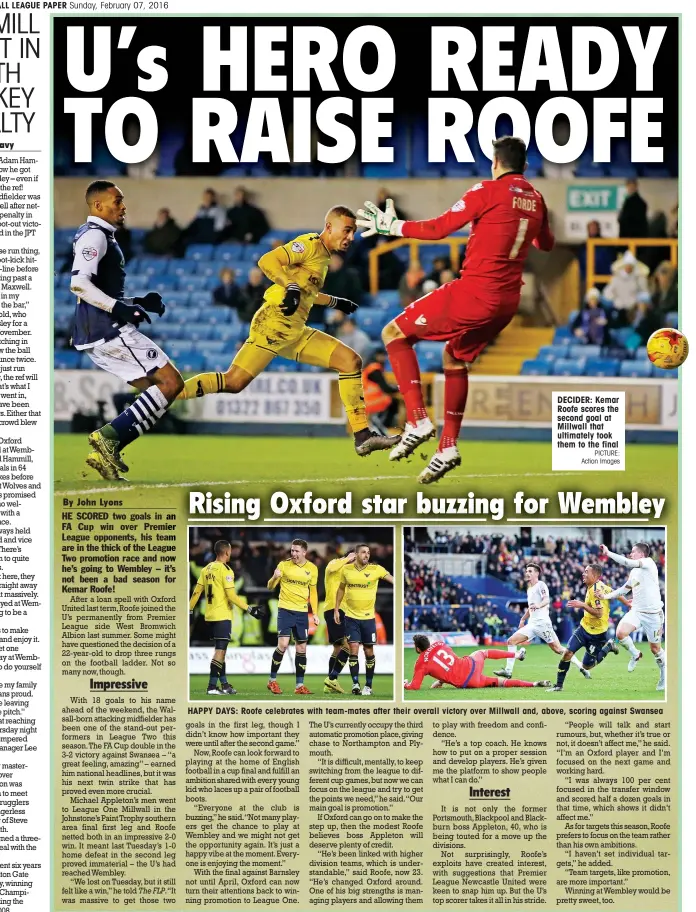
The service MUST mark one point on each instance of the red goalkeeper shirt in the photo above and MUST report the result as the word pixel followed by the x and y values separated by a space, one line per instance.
pixel 507 215
pixel 440 662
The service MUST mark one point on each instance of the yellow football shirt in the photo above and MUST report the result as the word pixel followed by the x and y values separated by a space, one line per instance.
pixel 361 590
pixel 307 265
pixel 216 582
pixel 332 580
pixel 295 583
pixel 594 596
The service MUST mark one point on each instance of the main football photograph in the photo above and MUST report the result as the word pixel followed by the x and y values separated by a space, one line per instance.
pixel 298 614
pixel 385 323
pixel 535 613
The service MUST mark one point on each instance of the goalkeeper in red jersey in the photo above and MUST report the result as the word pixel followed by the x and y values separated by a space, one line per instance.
pixel 507 215
pixel 441 663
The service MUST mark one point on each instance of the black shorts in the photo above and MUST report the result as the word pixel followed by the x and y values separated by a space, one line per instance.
pixel 364 632
pixel 592 642
pixel 337 632
pixel 220 630
pixel 293 623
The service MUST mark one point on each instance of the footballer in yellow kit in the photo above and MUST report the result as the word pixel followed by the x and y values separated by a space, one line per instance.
pixel 279 327
pixel 216 582
pixel 357 594
pixel 593 628
pixel 297 578
pixel 336 631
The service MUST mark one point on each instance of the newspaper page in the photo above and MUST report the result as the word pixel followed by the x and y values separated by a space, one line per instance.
pixel 358 468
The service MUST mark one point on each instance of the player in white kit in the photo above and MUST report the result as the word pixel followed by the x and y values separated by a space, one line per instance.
pixel 646 612
pixel 535 622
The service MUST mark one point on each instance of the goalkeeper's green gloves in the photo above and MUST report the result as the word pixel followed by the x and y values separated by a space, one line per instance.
pixel 377 222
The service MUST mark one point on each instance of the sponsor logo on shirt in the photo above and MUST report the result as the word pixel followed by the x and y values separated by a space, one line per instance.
pixel 459 206
pixel 421 321
pixel 297 247
pixel 229 579
pixel 89 253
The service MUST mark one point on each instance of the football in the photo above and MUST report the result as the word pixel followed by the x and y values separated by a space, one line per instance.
pixel 667 348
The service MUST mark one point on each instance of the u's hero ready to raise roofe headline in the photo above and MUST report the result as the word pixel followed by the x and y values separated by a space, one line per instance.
pixel 569 503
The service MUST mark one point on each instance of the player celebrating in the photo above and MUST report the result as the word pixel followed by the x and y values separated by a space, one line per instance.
pixel 592 632
pixel 297 271
pixel 443 664
pixel 507 215
pixel 106 328
pixel 336 632
pixel 297 578
pixel 217 582
pixel 535 622
pixel 358 585
pixel 646 607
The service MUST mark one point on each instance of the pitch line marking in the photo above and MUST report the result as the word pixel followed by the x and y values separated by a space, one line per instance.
pixel 197 485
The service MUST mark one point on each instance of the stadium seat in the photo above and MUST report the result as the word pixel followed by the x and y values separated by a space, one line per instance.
pixel 310 368
pixel 429 358
pixel 229 253
pixel 63 240
pixel 602 367
pixel 621 164
pixel 563 334
pixel 207 268
pixel 193 283
pixel 584 351
pixel 622 335
pixel 200 252
pixel 552 352
pixel 66 359
pixel 181 267
pixel 585 167
pixel 641 354
pixel 536 368
pixel 215 361
pixel 212 346
pixel 572 318
pixel 190 362
pixel 371 321
pixel 672 319
pixel 163 283
pixel 385 299
pixel 149 266
pixel 568 367
pixel 662 374
pixel 198 332
pixel 635 369
pixel 176 298
pixel 200 298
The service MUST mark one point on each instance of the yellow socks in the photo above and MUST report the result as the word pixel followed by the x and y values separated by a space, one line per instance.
pixel 350 389
pixel 202 385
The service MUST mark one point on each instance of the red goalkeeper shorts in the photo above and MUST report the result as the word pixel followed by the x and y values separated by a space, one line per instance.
pixel 455 314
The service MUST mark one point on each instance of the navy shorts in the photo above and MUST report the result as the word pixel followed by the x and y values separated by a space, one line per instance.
pixel 364 632
pixel 592 642
pixel 293 623
pixel 220 630
pixel 336 632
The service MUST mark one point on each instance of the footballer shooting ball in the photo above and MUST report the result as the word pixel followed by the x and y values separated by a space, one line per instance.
pixel 667 348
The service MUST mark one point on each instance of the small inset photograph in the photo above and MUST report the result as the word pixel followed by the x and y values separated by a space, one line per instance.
pixel 291 613
pixel 534 613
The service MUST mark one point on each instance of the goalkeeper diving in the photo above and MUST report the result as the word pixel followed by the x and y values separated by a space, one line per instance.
pixel 279 327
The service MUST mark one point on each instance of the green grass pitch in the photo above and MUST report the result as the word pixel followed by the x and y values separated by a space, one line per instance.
pixel 610 680
pixel 164 467
pixel 253 687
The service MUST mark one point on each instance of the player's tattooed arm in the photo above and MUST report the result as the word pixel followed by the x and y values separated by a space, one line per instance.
pixel 389 578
